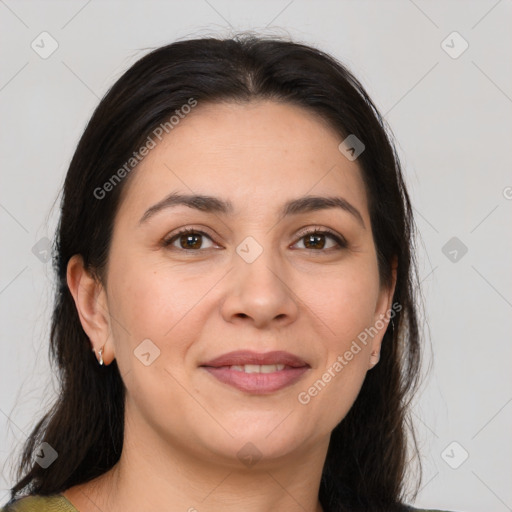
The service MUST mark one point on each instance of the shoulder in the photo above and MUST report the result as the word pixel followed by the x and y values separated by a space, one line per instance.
pixel 35 503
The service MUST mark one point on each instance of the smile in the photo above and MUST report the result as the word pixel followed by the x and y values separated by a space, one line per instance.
pixel 258 368
pixel 257 373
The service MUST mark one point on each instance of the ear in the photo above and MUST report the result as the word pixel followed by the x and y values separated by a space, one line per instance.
pixel 383 314
pixel 91 303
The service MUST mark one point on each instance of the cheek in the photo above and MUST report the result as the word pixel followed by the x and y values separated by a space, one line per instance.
pixel 158 304
pixel 344 302
pixel 147 304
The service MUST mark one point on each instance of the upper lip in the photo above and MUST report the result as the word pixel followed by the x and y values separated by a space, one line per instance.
pixel 243 357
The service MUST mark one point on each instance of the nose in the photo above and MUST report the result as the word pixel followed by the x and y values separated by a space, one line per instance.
pixel 260 293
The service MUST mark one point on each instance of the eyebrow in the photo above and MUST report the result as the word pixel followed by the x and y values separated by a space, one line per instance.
pixel 212 204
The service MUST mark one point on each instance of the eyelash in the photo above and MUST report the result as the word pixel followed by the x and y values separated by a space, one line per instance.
pixel 340 241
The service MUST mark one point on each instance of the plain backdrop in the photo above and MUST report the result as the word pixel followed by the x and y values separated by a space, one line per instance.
pixel 440 72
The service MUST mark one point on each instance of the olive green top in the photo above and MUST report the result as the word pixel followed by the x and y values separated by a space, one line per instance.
pixel 55 503
pixel 59 503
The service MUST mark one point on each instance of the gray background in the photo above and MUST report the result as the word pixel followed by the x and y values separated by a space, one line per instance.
pixel 452 118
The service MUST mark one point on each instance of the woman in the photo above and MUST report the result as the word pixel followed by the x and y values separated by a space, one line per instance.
pixel 235 324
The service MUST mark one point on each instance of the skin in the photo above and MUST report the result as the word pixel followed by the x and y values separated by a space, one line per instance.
pixel 183 428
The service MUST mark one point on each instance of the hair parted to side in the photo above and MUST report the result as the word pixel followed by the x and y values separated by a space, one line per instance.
pixel 366 463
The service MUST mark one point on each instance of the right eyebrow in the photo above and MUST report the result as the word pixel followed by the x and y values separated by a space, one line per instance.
pixel 199 202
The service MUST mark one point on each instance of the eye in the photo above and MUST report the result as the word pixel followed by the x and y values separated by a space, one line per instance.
pixel 191 239
pixel 315 239
pixel 188 239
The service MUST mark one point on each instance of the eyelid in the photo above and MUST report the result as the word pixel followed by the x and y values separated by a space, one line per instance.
pixel 315 228
pixel 170 238
pixel 311 230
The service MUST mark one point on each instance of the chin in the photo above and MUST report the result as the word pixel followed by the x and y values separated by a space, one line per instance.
pixel 259 440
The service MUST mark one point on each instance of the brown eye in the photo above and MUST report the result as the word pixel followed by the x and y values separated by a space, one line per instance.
pixel 318 240
pixel 188 239
pixel 315 241
pixel 191 241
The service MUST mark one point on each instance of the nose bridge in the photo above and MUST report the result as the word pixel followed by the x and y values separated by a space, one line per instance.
pixel 257 266
pixel 259 289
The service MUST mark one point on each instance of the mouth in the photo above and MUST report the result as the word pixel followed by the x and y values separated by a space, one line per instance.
pixel 257 373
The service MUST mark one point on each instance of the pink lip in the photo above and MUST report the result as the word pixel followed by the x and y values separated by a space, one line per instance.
pixel 257 383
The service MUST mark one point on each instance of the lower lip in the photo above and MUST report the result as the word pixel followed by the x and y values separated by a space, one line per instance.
pixel 257 383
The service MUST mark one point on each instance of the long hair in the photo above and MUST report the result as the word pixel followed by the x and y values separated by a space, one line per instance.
pixel 367 458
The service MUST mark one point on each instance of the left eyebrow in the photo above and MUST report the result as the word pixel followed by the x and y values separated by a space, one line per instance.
pixel 315 203
pixel 211 204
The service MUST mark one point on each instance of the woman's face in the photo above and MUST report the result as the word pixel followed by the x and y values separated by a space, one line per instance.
pixel 248 277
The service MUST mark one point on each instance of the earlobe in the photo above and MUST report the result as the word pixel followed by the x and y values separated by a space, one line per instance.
pixel 374 358
pixel 90 301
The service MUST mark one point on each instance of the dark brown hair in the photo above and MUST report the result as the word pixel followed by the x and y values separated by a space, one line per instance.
pixel 366 460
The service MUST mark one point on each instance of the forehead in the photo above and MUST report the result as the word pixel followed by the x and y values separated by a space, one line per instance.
pixel 255 153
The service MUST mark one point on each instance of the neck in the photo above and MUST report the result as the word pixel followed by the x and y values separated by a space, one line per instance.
pixel 157 474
